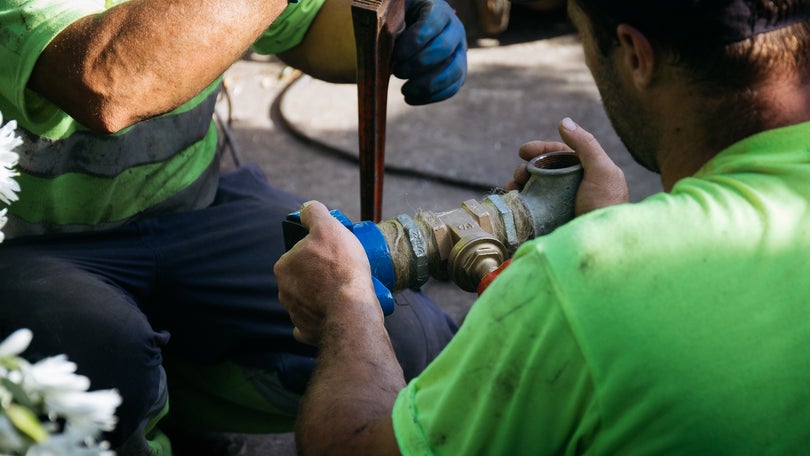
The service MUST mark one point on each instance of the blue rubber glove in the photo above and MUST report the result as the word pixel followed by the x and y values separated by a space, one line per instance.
pixel 431 54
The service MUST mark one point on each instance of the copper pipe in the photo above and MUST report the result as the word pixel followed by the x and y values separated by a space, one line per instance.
pixel 376 24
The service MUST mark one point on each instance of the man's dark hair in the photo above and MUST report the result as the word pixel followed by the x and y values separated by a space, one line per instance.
pixel 724 43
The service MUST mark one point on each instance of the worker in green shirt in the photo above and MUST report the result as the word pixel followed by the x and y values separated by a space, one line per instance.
pixel 675 325
pixel 128 251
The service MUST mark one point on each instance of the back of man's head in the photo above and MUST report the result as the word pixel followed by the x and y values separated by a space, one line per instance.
pixel 715 40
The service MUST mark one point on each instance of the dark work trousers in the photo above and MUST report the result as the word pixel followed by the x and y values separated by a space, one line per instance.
pixel 195 286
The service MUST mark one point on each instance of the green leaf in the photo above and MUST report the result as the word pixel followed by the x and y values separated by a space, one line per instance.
pixel 25 420
pixel 19 395
pixel 12 363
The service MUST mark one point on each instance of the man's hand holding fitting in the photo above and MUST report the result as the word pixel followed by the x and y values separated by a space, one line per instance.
pixel 325 274
pixel 603 183
pixel 527 152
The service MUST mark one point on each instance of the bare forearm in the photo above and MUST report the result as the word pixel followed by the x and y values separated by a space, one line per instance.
pixel 146 57
pixel 347 408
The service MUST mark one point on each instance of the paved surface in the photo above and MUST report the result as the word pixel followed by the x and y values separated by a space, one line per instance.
pixel 303 133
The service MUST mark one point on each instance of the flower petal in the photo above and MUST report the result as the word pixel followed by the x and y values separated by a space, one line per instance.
pixel 16 343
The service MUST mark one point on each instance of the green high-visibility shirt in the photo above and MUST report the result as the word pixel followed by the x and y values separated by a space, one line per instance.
pixel 676 325
pixel 75 180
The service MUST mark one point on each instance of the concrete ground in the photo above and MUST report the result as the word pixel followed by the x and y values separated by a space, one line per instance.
pixel 303 133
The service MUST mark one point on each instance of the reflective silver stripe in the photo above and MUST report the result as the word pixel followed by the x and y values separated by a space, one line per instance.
pixel 198 195
pixel 151 141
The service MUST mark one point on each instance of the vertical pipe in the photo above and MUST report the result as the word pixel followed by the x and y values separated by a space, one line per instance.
pixel 376 24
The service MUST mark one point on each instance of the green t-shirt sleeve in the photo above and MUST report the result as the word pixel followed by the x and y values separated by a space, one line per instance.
pixel 512 381
pixel 26 28
pixel 288 30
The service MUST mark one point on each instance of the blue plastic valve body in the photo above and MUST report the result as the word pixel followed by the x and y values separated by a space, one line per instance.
pixel 373 242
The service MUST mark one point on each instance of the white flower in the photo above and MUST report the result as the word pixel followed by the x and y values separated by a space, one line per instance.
pixel 8 160
pixel 2 223
pixel 87 412
pixel 17 342
pixel 9 437
pixel 50 387
pixel 53 374
pixel 64 444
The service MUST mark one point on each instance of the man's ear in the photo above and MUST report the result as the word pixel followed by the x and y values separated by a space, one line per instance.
pixel 638 55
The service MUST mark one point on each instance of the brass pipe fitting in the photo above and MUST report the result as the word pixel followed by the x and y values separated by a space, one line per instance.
pixel 467 243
